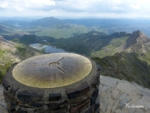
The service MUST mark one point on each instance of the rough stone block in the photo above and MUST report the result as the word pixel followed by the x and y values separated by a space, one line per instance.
pixel 127 88
pixel 115 94
pixel 144 101
pixel 25 96
pixel 55 97
pixel 73 93
pixel 94 96
pixel 3 110
pixel 108 81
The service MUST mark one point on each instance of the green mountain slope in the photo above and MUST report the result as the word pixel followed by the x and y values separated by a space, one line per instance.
pixel 93 41
pixel 133 64
pixel 11 52
pixel 61 31
pixel 48 26
pixel 126 66
pixel 116 45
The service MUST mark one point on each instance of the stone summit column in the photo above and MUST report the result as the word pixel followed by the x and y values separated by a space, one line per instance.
pixel 52 83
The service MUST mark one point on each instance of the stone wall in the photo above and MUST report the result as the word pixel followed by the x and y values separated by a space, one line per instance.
pixel 115 96
pixel 2 101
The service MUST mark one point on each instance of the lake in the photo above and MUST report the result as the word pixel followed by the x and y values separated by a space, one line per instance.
pixel 47 48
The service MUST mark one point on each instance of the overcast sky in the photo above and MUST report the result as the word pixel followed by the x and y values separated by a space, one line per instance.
pixel 76 8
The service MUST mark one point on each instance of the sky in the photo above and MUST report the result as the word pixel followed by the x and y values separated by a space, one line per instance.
pixel 76 8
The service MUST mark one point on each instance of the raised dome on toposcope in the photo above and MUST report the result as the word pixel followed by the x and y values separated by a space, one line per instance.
pixel 52 70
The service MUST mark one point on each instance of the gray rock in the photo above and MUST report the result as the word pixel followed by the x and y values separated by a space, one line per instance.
pixel 144 101
pixel 132 110
pixel 108 81
pixel 3 110
pixel 127 88
pixel 1 93
pixel 128 99
pixel 139 111
pixel 100 88
pixel 2 103
pixel 122 103
pixel 122 96
pixel 105 88
pixel 143 91
pixel 115 94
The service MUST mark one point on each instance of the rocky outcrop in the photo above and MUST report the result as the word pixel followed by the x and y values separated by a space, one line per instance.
pixel 120 96
pixel 2 101
pixel 137 37
pixel 138 42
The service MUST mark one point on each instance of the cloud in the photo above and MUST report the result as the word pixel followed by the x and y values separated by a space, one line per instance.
pixel 4 5
pixel 117 8
pixel 20 5
pixel 18 8
pixel 135 6
pixel 38 3
pixel 117 1
pixel 42 2
pixel 75 8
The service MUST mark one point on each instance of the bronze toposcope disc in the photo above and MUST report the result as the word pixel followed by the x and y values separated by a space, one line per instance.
pixel 52 70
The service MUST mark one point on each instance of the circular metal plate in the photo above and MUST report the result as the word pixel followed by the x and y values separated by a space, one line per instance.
pixel 52 70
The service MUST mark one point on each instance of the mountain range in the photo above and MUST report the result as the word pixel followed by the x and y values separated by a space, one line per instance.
pixel 124 55
pixel 66 28
pixel 121 55
pixel 132 63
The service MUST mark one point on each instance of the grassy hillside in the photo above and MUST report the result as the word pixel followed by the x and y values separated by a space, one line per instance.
pixel 62 31
pixel 5 62
pixel 48 26
pixel 11 52
pixel 116 45
pixel 133 64
pixel 125 66
pixel 92 42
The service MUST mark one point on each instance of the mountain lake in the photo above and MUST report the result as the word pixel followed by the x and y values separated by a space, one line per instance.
pixel 47 48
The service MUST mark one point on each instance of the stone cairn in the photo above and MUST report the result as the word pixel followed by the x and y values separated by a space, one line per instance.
pixel 52 83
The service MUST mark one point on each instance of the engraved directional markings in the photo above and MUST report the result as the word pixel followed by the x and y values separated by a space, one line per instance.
pixel 62 70
pixel 57 65
pixel 52 64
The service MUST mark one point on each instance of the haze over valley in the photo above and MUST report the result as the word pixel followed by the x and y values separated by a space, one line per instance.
pixel 120 46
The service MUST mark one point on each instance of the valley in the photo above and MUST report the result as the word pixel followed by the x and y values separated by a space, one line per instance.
pixel 120 54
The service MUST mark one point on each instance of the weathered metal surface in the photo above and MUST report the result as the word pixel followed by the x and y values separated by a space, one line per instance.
pixel 52 70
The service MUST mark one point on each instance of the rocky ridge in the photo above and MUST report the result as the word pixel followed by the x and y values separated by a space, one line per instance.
pixel 120 96
pixel 132 63
pixel 137 37
pixel 138 42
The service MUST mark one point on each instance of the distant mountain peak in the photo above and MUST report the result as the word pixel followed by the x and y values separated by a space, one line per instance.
pixel 49 18
pixel 137 38
pixel 48 22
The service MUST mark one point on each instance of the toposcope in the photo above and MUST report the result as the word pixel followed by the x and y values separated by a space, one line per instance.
pixel 53 83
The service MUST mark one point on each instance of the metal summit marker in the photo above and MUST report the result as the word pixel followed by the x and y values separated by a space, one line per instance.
pixel 52 83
